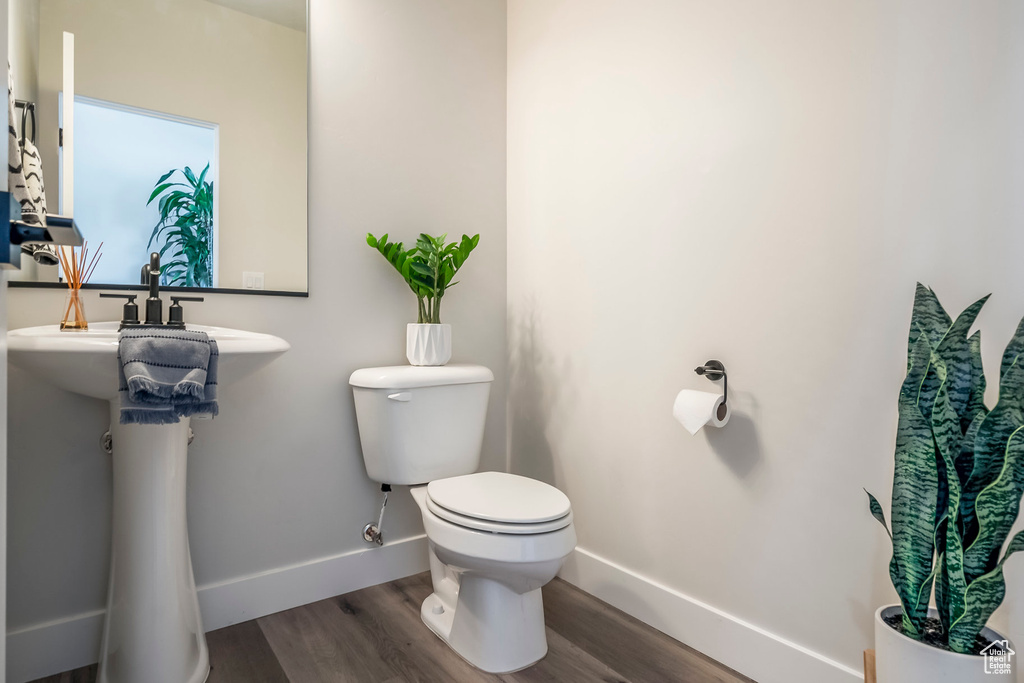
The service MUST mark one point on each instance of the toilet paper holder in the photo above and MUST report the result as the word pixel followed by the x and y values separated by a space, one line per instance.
pixel 715 370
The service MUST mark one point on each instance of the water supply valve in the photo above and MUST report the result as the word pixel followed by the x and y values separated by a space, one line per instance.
pixel 373 533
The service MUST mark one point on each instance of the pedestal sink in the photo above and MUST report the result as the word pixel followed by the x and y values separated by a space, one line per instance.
pixel 153 631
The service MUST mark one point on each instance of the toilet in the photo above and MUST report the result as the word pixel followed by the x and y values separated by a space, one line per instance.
pixel 495 538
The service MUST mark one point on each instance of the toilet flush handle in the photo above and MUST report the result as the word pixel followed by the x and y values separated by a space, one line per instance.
pixel 401 396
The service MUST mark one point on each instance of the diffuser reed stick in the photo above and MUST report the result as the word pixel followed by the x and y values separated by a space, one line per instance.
pixel 78 268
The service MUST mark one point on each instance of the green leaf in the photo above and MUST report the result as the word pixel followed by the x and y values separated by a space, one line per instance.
pixel 928 317
pixel 877 513
pixel 371 240
pixel 158 190
pixel 156 232
pixel 957 351
pixel 954 349
pixel 167 175
pixel 202 176
pixel 990 452
pixel 946 434
pixel 952 583
pixel 965 461
pixel 997 507
pixel 981 599
pixel 914 496
pixel 1013 349
pixel 422 268
pixel 976 397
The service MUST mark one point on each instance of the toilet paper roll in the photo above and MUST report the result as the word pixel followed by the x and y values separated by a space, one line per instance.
pixel 694 409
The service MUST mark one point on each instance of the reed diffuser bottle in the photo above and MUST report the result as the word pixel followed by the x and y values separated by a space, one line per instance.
pixel 76 273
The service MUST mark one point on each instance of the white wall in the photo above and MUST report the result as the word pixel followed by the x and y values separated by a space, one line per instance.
pixel 407 133
pixel 761 183
pixel 23 44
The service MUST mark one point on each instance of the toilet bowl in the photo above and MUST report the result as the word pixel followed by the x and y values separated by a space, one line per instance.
pixel 487 603
pixel 495 538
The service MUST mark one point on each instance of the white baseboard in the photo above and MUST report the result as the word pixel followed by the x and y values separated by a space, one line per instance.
pixel 55 646
pixel 744 647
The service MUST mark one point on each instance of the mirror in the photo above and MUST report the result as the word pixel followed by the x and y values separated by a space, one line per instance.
pixel 176 126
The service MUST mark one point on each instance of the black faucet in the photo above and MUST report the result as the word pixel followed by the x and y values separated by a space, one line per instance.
pixel 154 304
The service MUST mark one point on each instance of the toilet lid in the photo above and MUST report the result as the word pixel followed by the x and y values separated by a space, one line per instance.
pixel 499 497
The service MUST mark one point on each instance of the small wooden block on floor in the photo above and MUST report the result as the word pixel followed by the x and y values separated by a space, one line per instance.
pixel 869 666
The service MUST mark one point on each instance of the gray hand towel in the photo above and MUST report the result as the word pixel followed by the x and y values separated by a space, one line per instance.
pixel 166 374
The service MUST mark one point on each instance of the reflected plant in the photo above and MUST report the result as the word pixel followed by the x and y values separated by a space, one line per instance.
pixel 428 268
pixel 959 476
pixel 186 225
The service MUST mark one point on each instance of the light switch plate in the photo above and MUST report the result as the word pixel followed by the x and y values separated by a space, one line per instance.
pixel 252 280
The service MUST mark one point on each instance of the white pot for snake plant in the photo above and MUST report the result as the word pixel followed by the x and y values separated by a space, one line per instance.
pixel 901 659
pixel 428 344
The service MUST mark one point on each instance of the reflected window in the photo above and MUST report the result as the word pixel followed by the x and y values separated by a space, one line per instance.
pixel 146 181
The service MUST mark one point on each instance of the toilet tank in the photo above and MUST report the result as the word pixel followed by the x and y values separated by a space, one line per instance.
pixel 418 424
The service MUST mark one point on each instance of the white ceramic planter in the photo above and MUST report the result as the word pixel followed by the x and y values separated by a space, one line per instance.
pixel 899 659
pixel 428 344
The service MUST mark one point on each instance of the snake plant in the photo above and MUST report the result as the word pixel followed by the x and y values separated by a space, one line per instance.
pixel 428 267
pixel 959 475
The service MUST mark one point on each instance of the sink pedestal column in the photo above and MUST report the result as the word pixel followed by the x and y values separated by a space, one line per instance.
pixel 153 631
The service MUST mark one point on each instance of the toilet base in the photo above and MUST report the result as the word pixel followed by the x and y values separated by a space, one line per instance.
pixel 489 625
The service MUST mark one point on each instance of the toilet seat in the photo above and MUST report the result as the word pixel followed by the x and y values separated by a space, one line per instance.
pixel 498 527
pixel 498 502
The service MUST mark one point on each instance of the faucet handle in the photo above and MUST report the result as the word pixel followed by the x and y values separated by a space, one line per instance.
pixel 130 313
pixel 175 314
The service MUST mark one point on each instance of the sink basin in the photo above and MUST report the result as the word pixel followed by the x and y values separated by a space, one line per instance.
pixel 153 630
pixel 85 362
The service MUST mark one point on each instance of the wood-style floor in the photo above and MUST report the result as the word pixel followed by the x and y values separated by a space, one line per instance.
pixel 375 636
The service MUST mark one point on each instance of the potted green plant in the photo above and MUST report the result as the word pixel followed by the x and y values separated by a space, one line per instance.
pixel 186 225
pixel 959 476
pixel 428 269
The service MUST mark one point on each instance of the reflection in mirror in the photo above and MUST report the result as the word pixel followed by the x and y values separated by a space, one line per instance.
pixel 189 134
